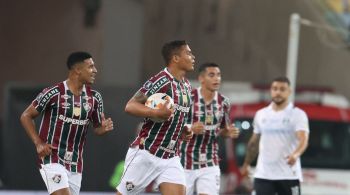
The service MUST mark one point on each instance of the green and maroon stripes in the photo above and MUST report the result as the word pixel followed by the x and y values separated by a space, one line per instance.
pixel 161 139
pixel 64 129
pixel 205 144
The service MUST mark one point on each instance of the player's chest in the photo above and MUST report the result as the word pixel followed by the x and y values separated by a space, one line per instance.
pixel 181 94
pixel 276 123
pixel 74 106
pixel 209 114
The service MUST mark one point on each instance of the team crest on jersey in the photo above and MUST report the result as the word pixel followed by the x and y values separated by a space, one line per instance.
pixel 87 107
pixel 217 114
pixel 76 111
pixel 129 186
pixel 148 85
pixel 209 119
pixel 57 178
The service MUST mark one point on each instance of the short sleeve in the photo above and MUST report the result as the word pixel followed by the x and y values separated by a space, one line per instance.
pixel 301 120
pixel 256 126
pixel 154 85
pixel 226 113
pixel 41 102
pixel 98 109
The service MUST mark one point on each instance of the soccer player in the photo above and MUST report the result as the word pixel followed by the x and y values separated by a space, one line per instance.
pixel 209 118
pixel 280 137
pixel 152 156
pixel 67 109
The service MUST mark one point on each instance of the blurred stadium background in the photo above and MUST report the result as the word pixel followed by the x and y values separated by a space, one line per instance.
pixel 248 38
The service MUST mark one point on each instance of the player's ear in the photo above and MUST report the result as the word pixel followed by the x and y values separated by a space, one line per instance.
pixel 176 58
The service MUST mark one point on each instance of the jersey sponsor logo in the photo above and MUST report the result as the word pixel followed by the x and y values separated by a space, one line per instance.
pixel 182 108
pixel 65 96
pixel 202 158
pixel 156 86
pixel 148 85
pixel 44 98
pixel 211 127
pixel 171 144
pixel 167 149
pixel 87 107
pixel 57 178
pixel 65 105
pixel 38 98
pixel 68 156
pixel 98 96
pixel 73 121
pixel 199 113
pixel 86 98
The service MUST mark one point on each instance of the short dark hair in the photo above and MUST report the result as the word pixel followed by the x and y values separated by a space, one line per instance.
pixel 282 79
pixel 206 65
pixel 170 48
pixel 77 57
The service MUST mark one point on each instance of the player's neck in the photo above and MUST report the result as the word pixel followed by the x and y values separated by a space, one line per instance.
pixel 278 107
pixel 207 95
pixel 75 86
pixel 177 73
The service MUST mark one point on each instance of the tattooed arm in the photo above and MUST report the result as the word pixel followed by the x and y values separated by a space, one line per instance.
pixel 136 106
pixel 252 152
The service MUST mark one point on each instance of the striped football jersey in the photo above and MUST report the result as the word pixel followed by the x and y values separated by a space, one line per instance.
pixel 65 120
pixel 202 150
pixel 161 138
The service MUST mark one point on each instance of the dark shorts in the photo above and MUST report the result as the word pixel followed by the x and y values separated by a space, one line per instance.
pixel 279 187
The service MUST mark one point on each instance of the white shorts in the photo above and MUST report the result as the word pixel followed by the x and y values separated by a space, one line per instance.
pixel 141 168
pixel 203 181
pixel 57 177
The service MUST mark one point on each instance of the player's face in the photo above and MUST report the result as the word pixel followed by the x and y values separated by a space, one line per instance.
pixel 88 71
pixel 185 59
pixel 210 78
pixel 280 92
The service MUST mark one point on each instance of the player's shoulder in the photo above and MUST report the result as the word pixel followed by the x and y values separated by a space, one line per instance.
pixel 263 110
pixel 162 75
pixel 52 90
pixel 96 94
pixel 223 97
pixel 298 111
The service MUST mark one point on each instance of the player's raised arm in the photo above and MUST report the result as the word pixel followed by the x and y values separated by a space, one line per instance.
pixel 136 106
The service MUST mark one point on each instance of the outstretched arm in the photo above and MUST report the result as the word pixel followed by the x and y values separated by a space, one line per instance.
pixel 303 138
pixel 252 152
pixel 136 106
pixel 27 119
